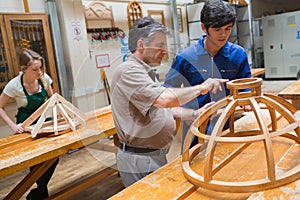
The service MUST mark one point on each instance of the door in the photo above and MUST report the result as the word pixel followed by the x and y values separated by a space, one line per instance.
pixel 30 31
pixel 6 73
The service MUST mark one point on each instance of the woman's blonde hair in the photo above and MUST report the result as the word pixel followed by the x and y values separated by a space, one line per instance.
pixel 25 59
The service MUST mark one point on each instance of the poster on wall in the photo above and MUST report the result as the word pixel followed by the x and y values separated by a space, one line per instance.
pixel 102 60
pixel 76 29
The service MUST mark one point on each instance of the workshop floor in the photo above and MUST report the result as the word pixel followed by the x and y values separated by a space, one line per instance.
pixel 88 161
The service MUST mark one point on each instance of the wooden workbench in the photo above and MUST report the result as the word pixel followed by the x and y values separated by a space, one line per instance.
pixel 292 92
pixel 169 182
pixel 20 151
pixel 257 71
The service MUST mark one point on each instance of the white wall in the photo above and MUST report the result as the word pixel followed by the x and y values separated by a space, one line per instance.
pixel 18 6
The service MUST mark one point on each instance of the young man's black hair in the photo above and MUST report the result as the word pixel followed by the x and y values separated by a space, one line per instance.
pixel 217 13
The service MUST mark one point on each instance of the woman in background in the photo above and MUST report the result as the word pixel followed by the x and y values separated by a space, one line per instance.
pixel 30 90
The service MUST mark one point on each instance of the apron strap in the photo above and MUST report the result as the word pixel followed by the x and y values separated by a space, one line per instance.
pixel 25 91
pixel 41 84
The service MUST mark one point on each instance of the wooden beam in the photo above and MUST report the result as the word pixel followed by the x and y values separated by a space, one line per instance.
pixel 26 7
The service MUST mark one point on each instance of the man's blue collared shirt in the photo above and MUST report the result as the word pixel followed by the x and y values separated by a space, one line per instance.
pixel 194 65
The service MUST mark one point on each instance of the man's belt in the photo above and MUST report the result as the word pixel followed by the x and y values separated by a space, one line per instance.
pixel 125 147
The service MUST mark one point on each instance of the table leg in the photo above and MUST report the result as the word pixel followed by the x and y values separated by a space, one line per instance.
pixel 29 180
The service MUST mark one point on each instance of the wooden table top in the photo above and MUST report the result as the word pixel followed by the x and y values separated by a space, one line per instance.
pixel 169 182
pixel 257 71
pixel 291 92
pixel 20 151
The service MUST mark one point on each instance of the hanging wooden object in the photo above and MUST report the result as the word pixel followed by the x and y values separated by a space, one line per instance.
pixel 98 11
pixel 64 116
pixel 203 169
pixel 134 11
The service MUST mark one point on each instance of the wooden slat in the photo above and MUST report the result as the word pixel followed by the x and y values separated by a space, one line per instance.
pixel 13 140
pixel 26 7
pixel 257 71
pixel 292 92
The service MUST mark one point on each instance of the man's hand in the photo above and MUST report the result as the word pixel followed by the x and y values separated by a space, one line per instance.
pixel 247 108
pixel 203 108
pixel 212 84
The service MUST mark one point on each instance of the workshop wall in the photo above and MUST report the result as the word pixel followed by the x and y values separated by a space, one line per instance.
pixel 80 51
pixel 18 6
pixel 270 7
pixel 87 89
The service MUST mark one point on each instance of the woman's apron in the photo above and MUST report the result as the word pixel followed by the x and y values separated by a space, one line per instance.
pixel 34 102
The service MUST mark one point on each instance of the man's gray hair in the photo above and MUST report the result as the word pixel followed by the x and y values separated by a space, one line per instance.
pixel 143 29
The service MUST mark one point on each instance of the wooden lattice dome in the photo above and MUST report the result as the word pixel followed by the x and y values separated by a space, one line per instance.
pixel 203 168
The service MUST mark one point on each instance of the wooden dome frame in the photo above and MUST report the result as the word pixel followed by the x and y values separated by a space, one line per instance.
pixel 207 144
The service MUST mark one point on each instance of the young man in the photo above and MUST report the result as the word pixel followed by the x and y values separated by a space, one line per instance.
pixel 141 105
pixel 212 57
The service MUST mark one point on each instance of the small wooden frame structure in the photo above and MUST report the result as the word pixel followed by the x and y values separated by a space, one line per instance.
pixel 134 11
pixel 98 11
pixel 64 116
pixel 203 154
pixel 157 15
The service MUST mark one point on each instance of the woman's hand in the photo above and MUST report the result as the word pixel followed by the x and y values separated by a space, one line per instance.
pixel 17 128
